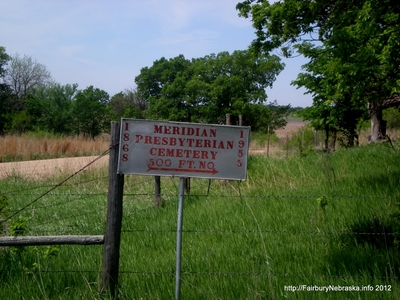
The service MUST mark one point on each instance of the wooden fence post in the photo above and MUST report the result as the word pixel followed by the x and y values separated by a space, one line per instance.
pixel 112 239
pixel 157 190
pixel 187 185
pixel 287 144
pixel 228 119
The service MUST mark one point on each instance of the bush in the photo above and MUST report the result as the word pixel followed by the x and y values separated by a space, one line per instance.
pixel 3 213
pixel 303 141
pixel 392 116
pixel 260 138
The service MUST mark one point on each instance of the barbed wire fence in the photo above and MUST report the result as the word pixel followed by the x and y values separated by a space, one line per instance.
pixel 43 202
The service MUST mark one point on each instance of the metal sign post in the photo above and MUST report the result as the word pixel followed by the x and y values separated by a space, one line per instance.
pixel 179 238
pixel 183 150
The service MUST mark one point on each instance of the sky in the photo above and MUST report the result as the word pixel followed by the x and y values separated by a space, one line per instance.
pixel 106 43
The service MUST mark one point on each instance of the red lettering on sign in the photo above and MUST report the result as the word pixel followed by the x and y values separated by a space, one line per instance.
pixel 176 130
pixel 179 153
pixel 199 143
pixel 138 138
pixel 158 128
pixel 157 140
pixel 185 142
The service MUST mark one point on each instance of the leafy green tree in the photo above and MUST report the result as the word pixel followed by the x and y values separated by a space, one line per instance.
pixel 4 58
pixel 89 112
pixel 234 81
pixel 330 112
pixel 206 89
pixel 161 86
pixel 127 104
pixel 357 40
pixel 20 76
pixel 266 118
pixel 392 115
pixel 5 91
pixel 51 107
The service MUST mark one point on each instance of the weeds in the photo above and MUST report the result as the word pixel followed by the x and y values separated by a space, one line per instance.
pixel 312 220
pixel 28 147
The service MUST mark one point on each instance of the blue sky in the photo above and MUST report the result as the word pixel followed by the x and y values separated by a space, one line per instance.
pixel 106 43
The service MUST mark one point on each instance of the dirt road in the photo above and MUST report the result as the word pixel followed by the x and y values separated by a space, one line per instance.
pixel 35 169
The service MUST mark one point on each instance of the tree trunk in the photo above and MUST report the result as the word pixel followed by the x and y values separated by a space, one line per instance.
pixel 333 141
pixel 326 142
pixel 378 125
pixel 352 138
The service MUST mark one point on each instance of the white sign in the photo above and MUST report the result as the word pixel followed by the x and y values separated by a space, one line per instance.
pixel 183 149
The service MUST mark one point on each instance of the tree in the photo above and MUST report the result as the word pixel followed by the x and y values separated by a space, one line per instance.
pixel 331 111
pixel 358 40
pixel 268 117
pixel 234 81
pixel 89 111
pixel 51 107
pixel 5 91
pixel 160 86
pixel 206 89
pixel 24 74
pixel 127 104
pixel 4 58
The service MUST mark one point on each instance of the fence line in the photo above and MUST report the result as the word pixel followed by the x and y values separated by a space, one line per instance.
pixel 173 230
pixel 55 187
pixel 218 195
pixel 214 273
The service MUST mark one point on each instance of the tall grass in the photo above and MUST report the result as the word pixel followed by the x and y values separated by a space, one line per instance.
pixel 306 141
pixel 43 146
pixel 300 221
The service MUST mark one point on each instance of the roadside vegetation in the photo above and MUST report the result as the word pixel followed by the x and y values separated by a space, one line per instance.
pixel 316 220
pixel 319 208
pixel 33 146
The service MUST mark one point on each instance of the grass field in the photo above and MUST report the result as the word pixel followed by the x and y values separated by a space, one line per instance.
pixel 307 222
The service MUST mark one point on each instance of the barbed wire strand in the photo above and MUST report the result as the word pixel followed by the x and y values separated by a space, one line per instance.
pixel 57 185
pixel 217 273
pixel 18 192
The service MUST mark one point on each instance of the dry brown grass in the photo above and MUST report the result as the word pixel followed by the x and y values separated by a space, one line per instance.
pixel 18 148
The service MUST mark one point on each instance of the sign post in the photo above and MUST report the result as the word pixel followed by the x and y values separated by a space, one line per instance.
pixel 179 238
pixel 183 150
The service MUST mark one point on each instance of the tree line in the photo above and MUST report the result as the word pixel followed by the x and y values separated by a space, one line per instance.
pixel 177 89
pixel 352 73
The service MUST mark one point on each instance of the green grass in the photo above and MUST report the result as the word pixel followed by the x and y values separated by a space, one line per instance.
pixel 293 222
